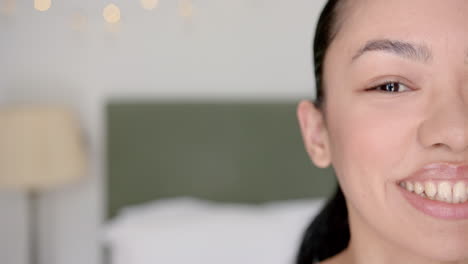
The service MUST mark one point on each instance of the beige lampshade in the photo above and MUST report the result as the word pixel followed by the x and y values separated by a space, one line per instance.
pixel 40 148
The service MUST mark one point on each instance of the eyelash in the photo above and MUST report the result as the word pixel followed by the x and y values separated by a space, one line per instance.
pixel 384 85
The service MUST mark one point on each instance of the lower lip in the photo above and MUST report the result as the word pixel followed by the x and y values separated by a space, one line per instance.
pixel 435 208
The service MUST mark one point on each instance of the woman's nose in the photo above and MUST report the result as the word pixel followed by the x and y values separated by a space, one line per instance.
pixel 447 125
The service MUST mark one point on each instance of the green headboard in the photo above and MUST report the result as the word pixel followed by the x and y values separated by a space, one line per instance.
pixel 230 152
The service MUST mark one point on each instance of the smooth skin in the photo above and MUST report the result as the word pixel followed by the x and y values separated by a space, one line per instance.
pixel 375 138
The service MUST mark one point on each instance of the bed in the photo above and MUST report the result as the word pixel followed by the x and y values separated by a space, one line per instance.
pixel 206 182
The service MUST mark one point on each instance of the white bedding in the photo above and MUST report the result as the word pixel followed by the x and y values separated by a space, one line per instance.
pixel 191 231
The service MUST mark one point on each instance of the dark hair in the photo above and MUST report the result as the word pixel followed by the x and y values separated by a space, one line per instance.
pixel 328 234
pixel 327 27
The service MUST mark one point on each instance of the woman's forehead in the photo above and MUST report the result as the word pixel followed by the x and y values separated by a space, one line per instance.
pixel 426 25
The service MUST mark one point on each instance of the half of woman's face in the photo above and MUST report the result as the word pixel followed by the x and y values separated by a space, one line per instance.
pixel 378 138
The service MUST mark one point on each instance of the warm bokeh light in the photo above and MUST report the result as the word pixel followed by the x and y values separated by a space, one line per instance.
pixel 111 13
pixel 8 7
pixel 42 5
pixel 186 8
pixel 149 4
pixel 79 22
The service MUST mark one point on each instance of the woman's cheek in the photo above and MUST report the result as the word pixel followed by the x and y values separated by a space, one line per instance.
pixel 365 149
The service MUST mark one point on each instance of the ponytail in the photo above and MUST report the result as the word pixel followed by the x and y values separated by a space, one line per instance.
pixel 328 234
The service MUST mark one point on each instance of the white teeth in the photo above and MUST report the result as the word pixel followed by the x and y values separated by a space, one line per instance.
pixel 444 192
pixel 409 186
pixel 430 189
pixel 418 188
pixel 460 194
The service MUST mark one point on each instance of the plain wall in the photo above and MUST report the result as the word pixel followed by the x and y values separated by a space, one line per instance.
pixel 228 50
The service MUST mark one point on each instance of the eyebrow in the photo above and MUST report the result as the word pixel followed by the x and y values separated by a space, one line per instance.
pixel 417 52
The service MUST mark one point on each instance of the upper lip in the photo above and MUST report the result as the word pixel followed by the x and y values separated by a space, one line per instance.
pixel 440 171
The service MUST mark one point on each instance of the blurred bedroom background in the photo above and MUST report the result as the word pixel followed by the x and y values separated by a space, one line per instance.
pixel 181 110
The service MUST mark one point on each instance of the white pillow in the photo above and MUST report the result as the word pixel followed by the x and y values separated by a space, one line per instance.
pixel 187 230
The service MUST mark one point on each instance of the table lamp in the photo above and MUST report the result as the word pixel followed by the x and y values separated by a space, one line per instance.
pixel 41 147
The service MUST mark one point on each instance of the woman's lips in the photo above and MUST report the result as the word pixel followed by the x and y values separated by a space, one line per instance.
pixel 439 190
pixel 440 171
pixel 435 208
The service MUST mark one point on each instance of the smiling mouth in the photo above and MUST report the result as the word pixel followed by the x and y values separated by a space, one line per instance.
pixel 443 191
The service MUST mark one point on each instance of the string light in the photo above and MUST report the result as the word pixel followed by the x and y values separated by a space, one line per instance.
pixel 8 7
pixel 42 5
pixel 186 8
pixel 149 4
pixel 111 13
pixel 79 22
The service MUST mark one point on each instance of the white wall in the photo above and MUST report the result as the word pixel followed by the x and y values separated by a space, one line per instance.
pixel 230 49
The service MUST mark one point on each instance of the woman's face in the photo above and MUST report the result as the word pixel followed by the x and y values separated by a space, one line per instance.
pixel 377 139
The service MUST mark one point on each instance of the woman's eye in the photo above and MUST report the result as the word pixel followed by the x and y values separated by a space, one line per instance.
pixel 391 87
